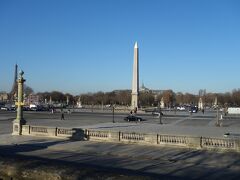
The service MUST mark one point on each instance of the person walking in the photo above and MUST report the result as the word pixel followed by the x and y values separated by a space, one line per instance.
pixel 62 115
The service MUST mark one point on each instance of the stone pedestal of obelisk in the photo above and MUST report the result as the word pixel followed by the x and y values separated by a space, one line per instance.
pixel 19 121
pixel 135 80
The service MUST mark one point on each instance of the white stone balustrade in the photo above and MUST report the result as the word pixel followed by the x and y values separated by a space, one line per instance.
pixel 232 144
pixel 218 143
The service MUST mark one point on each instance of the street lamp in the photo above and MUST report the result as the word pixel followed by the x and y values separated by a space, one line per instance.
pixel 19 121
pixel 113 113
pixel 217 123
pixel 160 115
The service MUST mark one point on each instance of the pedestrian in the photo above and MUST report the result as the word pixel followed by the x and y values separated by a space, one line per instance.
pixel 62 115
pixel 203 111
pixel 135 110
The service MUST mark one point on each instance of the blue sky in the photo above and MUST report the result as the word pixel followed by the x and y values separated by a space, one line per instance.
pixel 87 45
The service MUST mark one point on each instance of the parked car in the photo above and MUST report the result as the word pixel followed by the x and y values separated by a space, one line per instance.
pixel 5 108
pixel 132 118
pixel 8 108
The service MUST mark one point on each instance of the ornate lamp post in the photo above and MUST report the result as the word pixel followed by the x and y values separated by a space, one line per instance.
pixel 113 113
pixel 217 123
pixel 19 121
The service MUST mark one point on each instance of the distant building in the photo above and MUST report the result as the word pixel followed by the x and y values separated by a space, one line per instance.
pixel 32 99
pixel 156 92
pixel 144 89
pixel 4 96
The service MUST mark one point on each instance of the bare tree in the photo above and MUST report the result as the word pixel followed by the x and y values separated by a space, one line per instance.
pixel 28 90
pixel 169 97
pixel 236 97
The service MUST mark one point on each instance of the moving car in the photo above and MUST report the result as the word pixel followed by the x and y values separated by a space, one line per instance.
pixel 181 108
pixel 193 109
pixel 132 118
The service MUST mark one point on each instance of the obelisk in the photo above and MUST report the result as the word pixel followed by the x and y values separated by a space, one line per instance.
pixel 135 80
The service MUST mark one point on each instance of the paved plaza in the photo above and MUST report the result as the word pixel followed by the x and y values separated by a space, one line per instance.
pixel 145 161
pixel 174 123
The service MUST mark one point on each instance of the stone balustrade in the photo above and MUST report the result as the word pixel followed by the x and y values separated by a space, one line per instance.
pixel 232 144
pixel 172 140
pixel 218 143
pixel 63 132
pixel 132 137
pixel 53 132
pixel 95 135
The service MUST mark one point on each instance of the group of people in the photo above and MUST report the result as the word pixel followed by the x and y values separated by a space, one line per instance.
pixel 134 111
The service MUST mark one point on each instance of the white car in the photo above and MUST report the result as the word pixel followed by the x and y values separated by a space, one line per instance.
pixel 4 108
pixel 181 108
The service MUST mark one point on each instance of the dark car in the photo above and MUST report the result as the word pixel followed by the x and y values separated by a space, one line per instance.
pixel 133 118
pixel 193 109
